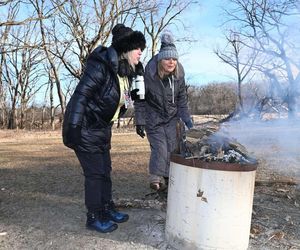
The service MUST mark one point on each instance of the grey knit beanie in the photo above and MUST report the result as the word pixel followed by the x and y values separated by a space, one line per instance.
pixel 167 48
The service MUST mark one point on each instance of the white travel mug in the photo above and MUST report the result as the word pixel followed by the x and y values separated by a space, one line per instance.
pixel 140 85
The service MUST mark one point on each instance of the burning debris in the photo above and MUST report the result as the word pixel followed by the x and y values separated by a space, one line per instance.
pixel 204 142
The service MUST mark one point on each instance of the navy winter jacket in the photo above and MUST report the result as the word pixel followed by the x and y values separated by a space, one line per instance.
pixel 94 102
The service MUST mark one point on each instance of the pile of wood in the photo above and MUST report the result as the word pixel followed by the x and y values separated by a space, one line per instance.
pixel 204 142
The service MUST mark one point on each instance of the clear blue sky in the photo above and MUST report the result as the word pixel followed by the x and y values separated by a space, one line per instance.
pixel 201 65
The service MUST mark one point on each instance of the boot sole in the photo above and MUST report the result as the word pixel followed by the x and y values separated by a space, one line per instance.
pixel 112 228
pixel 120 221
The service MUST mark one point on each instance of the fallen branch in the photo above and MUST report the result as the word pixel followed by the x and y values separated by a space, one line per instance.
pixel 274 182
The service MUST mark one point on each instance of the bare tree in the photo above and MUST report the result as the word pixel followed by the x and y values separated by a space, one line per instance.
pixel 239 57
pixel 79 28
pixel 30 76
pixel 212 99
pixel 24 21
pixel 4 34
pixel 40 8
pixel 21 73
pixel 2 3
pixel 82 26
pixel 68 31
pixel 268 23
pixel 158 15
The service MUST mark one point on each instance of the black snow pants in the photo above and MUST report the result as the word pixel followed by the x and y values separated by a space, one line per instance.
pixel 98 184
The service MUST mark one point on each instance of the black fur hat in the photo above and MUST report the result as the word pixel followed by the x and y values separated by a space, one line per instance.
pixel 125 39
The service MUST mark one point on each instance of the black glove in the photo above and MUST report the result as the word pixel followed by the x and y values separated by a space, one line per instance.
pixel 133 94
pixel 189 124
pixel 140 130
pixel 74 135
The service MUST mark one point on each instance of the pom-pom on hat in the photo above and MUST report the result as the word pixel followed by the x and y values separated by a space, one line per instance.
pixel 167 48
pixel 125 39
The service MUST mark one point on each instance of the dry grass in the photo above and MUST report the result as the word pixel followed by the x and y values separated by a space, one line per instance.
pixel 41 192
pixel 35 152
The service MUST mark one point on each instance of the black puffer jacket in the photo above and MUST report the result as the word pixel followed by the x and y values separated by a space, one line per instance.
pixel 94 102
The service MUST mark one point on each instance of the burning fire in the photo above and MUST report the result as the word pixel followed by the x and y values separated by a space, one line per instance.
pixel 205 143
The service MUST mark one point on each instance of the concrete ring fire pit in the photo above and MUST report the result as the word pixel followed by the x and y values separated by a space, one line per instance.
pixel 209 204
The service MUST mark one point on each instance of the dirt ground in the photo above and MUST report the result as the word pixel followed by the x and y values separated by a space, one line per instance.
pixel 41 196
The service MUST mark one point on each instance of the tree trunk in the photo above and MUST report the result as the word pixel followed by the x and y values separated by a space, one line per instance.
pixel 22 115
pixel 32 118
pixel 291 102
pixel 12 119
pixel 52 110
pixel 55 74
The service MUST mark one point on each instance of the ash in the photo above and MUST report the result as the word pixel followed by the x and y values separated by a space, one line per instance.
pixel 207 143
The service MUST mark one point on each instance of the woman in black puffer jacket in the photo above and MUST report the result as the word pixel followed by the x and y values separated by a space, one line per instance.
pixel 100 98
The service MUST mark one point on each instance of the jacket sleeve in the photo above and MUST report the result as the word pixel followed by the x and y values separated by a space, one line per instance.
pixel 139 112
pixel 182 105
pixel 83 92
pixel 140 105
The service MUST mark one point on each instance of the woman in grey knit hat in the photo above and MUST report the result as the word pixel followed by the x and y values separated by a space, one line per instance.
pixel 164 105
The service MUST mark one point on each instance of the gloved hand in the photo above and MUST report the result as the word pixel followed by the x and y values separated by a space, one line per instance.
pixel 140 130
pixel 74 135
pixel 189 124
pixel 133 94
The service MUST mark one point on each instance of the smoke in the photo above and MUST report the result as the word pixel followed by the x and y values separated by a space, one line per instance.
pixel 275 144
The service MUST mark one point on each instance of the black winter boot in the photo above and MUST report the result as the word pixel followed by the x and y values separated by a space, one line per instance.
pixel 115 215
pixel 100 222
